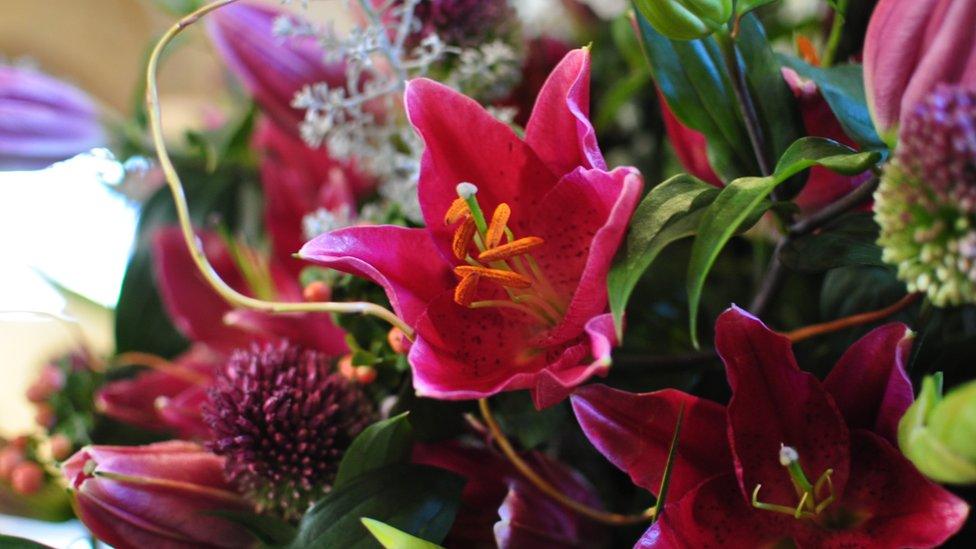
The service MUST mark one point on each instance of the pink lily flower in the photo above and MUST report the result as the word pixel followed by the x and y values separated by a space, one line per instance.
pixel 298 180
pixel 822 187
pixel 911 46
pixel 271 68
pixel 172 398
pixel 160 495
pixel 517 302
pixel 789 458
pixel 500 509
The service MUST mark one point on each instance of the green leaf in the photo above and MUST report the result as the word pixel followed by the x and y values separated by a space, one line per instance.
pixel 383 443
pixel 662 492
pixel 842 87
pixel 268 529
pixel 691 77
pixel 670 212
pixel 391 538
pixel 415 499
pixel 13 542
pixel 746 197
pixel 779 117
pixel 850 240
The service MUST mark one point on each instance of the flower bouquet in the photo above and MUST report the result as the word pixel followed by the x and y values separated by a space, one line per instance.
pixel 675 273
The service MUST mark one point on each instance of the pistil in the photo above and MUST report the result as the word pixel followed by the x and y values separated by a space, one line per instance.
pixel 810 504
pixel 501 259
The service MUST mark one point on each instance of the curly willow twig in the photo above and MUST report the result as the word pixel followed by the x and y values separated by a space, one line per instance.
pixel 192 243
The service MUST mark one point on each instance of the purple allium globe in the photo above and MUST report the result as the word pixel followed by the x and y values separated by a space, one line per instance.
pixel 467 23
pixel 926 202
pixel 283 421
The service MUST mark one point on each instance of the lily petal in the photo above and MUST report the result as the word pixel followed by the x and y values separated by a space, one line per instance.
pixel 774 403
pixel 463 142
pixel 712 516
pixel 869 383
pixel 583 219
pixel 892 504
pixel 315 331
pixel 403 261
pixel 191 303
pixel 634 432
pixel 559 128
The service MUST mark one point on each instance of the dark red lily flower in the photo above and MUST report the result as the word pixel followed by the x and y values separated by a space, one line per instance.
pixel 789 458
pixel 500 509
pixel 529 310
pixel 822 187
pixel 171 398
pixel 298 180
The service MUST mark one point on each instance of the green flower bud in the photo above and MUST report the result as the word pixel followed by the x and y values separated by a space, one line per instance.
pixel 686 19
pixel 938 434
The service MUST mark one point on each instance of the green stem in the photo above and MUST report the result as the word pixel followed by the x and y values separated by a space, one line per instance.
pixel 747 107
pixel 836 32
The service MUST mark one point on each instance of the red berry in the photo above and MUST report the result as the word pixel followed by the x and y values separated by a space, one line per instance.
pixel 317 291
pixel 27 478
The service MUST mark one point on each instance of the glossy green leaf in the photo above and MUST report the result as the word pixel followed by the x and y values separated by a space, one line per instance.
pixel 746 197
pixel 842 87
pixel 691 77
pixel 381 444
pixel 419 500
pixel 392 538
pixel 779 118
pixel 670 211
pixel 850 240
pixel 518 416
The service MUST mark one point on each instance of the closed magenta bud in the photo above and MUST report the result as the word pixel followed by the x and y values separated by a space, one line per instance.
pixel 686 19
pixel 938 433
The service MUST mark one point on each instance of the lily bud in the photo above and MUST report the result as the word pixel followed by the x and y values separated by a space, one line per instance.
pixel 156 495
pixel 938 433
pixel 271 68
pixel 910 47
pixel 43 120
pixel 686 19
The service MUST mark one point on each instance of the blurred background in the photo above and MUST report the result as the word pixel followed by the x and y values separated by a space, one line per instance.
pixel 65 234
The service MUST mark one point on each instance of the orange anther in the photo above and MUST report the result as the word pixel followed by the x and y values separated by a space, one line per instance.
pixel 462 238
pixel 512 249
pixel 464 292
pixel 458 209
pixel 806 50
pixel 496 229
pixel 505 278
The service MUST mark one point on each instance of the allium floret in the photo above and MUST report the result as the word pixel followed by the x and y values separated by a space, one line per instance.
pixel 283 420
pixel 926 203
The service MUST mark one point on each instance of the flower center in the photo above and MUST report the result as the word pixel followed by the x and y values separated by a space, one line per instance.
pixel 812 499
pixel 499 258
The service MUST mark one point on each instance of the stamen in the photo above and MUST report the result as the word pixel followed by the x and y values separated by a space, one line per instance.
pixel 464 292
pixel 510 250
pixel 505 278
pixel 458 209
pixel 810 504
pixel 499 222
pixel 463 238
